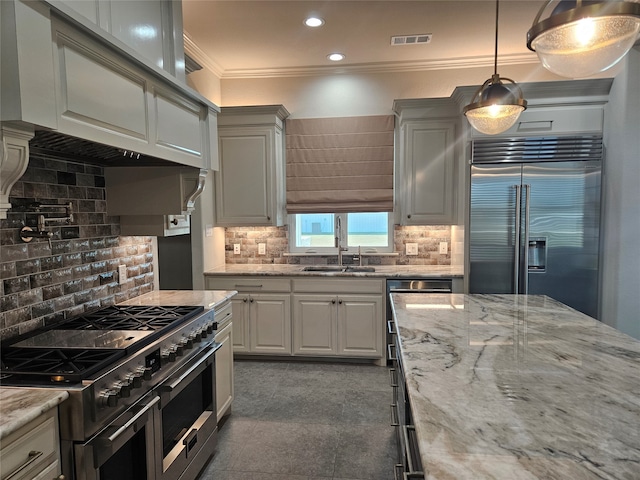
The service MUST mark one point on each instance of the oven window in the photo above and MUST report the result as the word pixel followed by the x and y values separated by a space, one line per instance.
pixel 128 463
pixel 182 412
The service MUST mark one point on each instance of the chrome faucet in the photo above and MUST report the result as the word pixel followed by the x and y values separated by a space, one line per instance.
pixel 338 239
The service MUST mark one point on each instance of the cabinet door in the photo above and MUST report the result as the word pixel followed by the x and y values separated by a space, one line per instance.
pixel 240 307
pixel 360 325
pixel 270 323
pixel 244 182
pixel 315 325
pixel 429 193
pixel 224 370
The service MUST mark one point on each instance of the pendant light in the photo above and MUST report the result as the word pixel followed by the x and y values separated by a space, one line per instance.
pixel 495 107
pixel 582 38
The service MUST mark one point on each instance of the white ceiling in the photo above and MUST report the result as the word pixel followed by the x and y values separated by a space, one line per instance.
pixel 267 38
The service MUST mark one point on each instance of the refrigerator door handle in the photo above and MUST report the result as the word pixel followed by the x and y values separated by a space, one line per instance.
pixel 516 247
pixel 525 264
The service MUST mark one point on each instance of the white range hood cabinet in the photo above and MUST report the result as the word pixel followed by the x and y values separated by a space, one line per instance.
pixel 63 74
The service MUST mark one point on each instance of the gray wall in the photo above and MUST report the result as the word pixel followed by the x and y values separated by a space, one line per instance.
pixel 621 215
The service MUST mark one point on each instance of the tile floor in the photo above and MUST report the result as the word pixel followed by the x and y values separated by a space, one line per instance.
pixel 306 421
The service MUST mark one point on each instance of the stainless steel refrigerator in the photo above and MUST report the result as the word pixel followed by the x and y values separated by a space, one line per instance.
pixel 534 218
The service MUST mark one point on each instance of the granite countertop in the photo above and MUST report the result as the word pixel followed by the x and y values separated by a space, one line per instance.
pixel 207 298
pixel 519 387
pixel 381 271
pixel 18 406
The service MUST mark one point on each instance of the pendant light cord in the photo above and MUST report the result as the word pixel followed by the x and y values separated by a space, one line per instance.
pixel 495 56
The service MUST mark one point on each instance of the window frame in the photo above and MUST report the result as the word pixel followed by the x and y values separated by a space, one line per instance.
pixel 333 250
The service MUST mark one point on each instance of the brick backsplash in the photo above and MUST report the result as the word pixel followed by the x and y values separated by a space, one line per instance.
pixel 276 239
pixel 39 285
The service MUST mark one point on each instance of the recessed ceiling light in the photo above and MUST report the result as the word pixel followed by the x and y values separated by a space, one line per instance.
pixel 314 22
pixel 336 57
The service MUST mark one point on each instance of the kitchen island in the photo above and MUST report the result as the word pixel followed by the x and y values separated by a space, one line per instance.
pixel 518 387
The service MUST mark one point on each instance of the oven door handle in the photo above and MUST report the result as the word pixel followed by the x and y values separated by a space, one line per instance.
pixel 176 383
pixel 113 437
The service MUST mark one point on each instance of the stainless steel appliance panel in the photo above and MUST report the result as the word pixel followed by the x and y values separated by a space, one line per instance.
pixel 564 210
pixel 534 228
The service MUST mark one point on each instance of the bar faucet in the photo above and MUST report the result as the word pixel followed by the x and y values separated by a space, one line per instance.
pixel 338 240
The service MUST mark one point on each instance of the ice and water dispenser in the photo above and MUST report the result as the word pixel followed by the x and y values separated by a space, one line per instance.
pixel 537 254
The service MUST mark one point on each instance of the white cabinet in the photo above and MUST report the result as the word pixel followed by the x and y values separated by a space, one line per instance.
pixel 427 174
pixel 72 79
pixel 32 451
pixel 345 318
pixel 343 325
pixel 224 359
pixel 152 28
pixel 261 313
pixel 250 186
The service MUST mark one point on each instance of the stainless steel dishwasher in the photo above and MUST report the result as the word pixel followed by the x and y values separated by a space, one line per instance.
pixel 408 285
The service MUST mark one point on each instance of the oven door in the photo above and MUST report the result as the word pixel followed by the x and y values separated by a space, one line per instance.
pixel 124 450
pixel 186 423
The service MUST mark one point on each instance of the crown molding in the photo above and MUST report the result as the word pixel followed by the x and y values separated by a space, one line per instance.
pixel 192 49
pixel 377 67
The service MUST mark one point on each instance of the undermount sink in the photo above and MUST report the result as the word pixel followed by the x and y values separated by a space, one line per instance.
pixel 338 268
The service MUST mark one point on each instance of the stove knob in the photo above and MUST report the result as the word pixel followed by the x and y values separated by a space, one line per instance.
pixel 146 373
pixel 204 333
pixel 110 398
pixel 125 390
pixel 210 328
pixel 198 336
pixel 179 350
pixel 136 381
pixel 189 341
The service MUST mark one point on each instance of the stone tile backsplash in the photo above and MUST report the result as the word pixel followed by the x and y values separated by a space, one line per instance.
pixel 39 285
pixel 276 239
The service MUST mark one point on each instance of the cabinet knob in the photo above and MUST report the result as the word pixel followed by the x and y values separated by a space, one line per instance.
pixel 251 300
pixel 244 300
pixel 340 302
pixel 174 221
pixel 408 216
pixel 268 217
pixel 333 301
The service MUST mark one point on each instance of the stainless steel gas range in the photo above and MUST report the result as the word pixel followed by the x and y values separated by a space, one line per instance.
pixel 141 384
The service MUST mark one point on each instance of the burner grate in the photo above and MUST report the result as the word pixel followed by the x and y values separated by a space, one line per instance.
pixel 133 317
pixel 57 364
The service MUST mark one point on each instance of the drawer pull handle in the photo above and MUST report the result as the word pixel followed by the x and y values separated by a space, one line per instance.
pixel 391 347
pixel 390 328
pixel 248 286
pixel 393 376
pixel 32 457
pixel 395 421
pixel 398 471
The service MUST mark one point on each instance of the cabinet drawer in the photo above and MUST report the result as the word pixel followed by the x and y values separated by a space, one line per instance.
pixel 223 315
pixel 32 451
pixel 337 286
pixel 249 284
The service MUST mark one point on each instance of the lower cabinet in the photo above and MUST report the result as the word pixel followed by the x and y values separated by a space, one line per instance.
pixel 263 321
pixel 32 451
pixel 344 325
pixel 224 360
pixel 310 316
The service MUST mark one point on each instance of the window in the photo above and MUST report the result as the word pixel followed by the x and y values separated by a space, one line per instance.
pixel 316 232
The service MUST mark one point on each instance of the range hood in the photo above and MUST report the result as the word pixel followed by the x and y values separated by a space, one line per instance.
pixel 71 90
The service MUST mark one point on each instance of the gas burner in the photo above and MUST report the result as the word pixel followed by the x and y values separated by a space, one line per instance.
pixel 56 364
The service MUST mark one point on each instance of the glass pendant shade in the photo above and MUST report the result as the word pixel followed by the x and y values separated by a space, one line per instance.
pixel 495 108
pixel 585 40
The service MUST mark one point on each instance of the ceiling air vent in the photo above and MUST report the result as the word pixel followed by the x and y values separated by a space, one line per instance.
pixel 411 39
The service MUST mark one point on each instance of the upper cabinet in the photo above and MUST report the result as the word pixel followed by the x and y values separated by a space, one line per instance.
pixel 150 28
pixel 427 174
pixel 250 184
pixel 70 75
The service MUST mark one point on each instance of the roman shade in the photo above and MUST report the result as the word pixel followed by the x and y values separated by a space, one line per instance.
pixel 337 165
